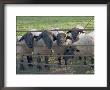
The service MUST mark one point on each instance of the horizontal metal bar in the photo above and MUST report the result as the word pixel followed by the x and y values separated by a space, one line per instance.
pixel 54 64
pixel 50 30
pixel 51 55
pixel 57 46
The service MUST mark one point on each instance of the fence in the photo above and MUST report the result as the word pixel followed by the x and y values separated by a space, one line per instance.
pixel 75 65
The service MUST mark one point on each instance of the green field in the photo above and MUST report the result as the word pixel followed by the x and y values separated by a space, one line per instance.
pixel 48 22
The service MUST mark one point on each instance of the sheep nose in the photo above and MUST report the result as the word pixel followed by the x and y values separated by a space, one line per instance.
pixel 78 50
pixel 61 41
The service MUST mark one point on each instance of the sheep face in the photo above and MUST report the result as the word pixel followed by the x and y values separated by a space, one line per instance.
pixel 61 39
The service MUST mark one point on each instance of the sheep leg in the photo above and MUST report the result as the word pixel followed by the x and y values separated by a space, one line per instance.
pixel 65 61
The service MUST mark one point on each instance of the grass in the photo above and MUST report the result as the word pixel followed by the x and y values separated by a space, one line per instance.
pixel 48 22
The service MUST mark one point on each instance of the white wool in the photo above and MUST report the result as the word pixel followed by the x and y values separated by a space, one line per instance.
pixel 56 32
pixel 40 43
pixel 86 39
pixel 68 42
pixel 69 34
pixel 91 34
pixel 82 35
pixel 36 33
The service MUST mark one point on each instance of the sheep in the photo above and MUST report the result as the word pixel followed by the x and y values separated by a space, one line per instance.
pixel 83 51
pixel 55 46
pixel 87 42
pixel 40 47
pixel 69 51
pixel 80 37
pixel 22 48
pixel 75 32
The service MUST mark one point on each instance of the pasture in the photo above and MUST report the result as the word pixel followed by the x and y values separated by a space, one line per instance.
pixel 76 65
pixel 27 23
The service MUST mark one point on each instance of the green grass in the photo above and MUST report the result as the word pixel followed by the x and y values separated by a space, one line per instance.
pixel 48 22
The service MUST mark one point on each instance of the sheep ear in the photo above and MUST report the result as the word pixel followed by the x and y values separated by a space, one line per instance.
pixel 54 37
pixel 35 36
